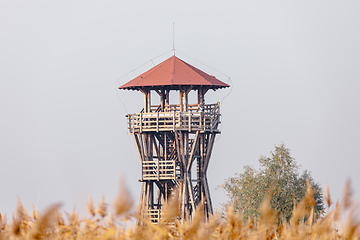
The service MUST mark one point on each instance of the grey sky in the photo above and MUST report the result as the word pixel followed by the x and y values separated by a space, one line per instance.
pixel 294 67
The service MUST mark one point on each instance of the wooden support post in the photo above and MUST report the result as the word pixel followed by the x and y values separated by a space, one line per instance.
pixel 162 99
pixel 138 147
pixel 209 151
pixel 174 121
pixel 148 101
pixel 180 158
pixel 191 191
pixel 189 121
pixel 157 157
pixel 167 96
pixel 207 194
pixel 141 124
pixel 184 197
pixel 200 166
pixel 157 122
pixel 142 200
pixel 193 151
pixel 151 199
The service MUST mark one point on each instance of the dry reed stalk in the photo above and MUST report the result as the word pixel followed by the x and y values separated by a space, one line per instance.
pixel 303 225
pixel 347 195
pixel 3 222
pixel 171 210
pixel 327 197
pixel 90 207
pixel 102 209
pixel 20 220
pixel 45 224
pixel 123 202
pixel 267 223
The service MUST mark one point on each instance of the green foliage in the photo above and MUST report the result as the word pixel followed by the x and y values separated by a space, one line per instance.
pixel 278 175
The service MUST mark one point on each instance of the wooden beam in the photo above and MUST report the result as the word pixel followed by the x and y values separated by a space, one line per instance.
pixel 167 96
pixel 183 150
pixel 200 95
pixel 157 155
pixel 205 89
pixel 207 195
pixel 148 101
pixel 142 200
pixel 162 99
pixel 200 166
pixel 209 151
pixel 191 191
pixel 188 90
pixel 151 194
pixel 179 152
pixel 158 92
pixel 138 147
pixel 193 149
pixel 183 196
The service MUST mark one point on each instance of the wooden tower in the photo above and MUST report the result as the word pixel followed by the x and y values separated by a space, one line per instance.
pixel 174 141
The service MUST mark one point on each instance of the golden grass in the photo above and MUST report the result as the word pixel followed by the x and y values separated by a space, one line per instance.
pixel 104 224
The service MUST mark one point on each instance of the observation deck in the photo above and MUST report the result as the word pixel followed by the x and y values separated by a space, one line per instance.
pixel 203 118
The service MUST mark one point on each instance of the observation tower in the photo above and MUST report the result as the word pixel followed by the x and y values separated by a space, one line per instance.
pixel 174 141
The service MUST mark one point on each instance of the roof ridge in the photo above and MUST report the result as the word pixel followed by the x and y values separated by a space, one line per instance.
pixel 152 70
pixel 195 69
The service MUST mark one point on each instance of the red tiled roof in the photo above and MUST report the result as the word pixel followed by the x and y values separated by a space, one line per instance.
pixel 174 72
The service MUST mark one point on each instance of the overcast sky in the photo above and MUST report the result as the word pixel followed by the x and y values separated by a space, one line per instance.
pixel 295 77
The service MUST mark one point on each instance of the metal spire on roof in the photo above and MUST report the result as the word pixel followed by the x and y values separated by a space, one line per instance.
pixel 173 39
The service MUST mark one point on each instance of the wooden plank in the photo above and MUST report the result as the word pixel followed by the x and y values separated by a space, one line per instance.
pixel 183 150
pixel 189 121
pixel 141 123
pixel 158 92
pixel 145 99
pixel 191 192
pixel 157 154
pixel 143 154
pixel 201 165
pixel 174 121
pixel 157 122
pixel 207 195
pixel 193 149
pixel 165 146
pixel 142 194
pixel 148 99
pixel 138 147
pixel 140 153
pixel 178 149
pixel 151 195
pixel 209 151
pixel 147 195
pixel 188 89
pixel 183 195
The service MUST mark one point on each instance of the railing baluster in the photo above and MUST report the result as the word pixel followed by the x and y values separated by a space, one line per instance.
pixel 140 122
pixel 189 121
pixel 174 121
pixel 157 122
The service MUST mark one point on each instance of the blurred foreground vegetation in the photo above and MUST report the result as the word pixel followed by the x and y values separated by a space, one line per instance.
pixel 336 222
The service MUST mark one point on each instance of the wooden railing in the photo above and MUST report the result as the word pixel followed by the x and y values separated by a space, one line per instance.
pixel 154 215
pixel 197 118
pixel 159 170
pixel 191 108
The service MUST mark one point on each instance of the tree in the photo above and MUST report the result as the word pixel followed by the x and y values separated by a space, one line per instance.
pixel 279 176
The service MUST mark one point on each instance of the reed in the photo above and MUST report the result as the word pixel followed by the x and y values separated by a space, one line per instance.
pixel 104 224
